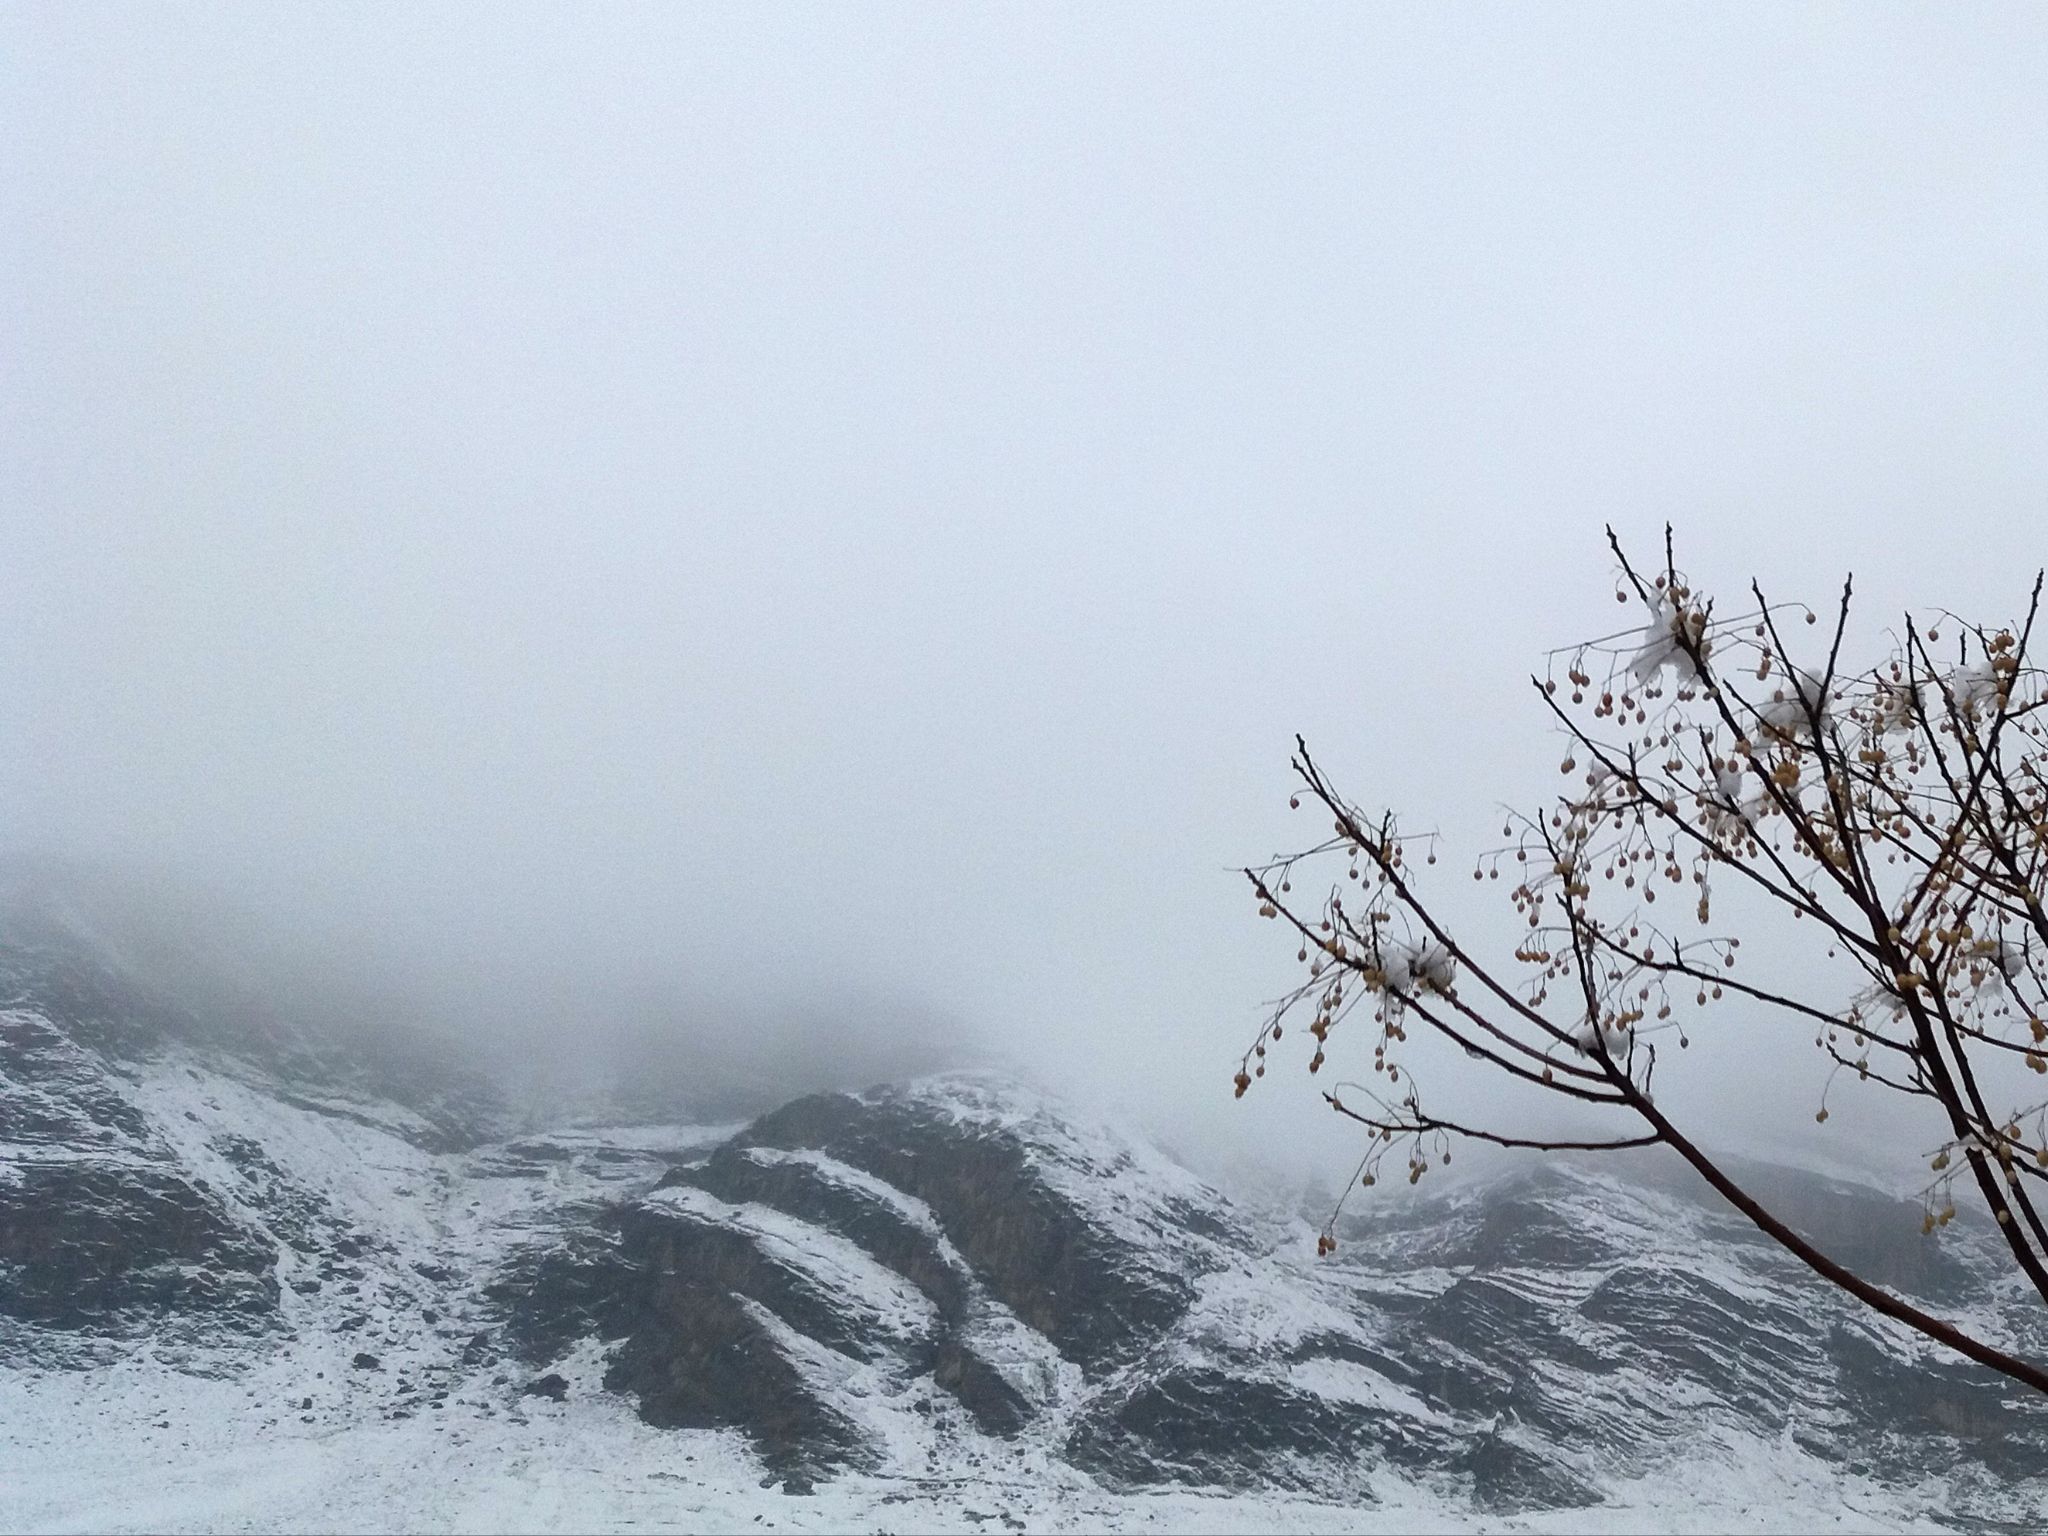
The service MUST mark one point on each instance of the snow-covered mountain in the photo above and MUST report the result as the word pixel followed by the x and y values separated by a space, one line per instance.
pixel 250 1278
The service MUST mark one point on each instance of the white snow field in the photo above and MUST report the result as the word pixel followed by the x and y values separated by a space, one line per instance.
pixel 142 1447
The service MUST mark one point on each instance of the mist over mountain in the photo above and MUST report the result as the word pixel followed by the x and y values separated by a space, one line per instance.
pixel 546 1035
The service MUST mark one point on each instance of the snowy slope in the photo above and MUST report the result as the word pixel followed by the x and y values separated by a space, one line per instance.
pixel 241 1288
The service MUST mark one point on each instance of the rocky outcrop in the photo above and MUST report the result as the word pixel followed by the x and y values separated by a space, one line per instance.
pixel 1524 1340
pixel 121 1250
pixel 1095 1290
pixel 101 1230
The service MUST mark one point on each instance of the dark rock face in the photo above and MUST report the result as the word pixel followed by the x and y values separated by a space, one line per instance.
pixel 554 1294
pixel 701 1353
pixel 1507 1476
pixel 974 1216
pixel 707 1361
pixel 880 1229
pixel 997 1406
pixel 56 1093
pixel 1092 1294
pixel 120 1250
pixel 1209 1425
pixel 100 1229
pixel 852 1212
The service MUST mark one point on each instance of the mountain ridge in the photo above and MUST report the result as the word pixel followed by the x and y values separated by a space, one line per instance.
pixel 953 1281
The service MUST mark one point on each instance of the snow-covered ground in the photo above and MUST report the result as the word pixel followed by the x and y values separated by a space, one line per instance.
pixel 138 1447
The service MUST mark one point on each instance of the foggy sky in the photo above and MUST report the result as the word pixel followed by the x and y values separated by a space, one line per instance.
pixel 779 506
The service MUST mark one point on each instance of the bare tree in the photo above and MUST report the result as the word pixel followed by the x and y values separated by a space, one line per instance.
pixel 1894 817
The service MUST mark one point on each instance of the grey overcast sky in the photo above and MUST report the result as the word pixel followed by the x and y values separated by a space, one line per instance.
pixel 809 503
